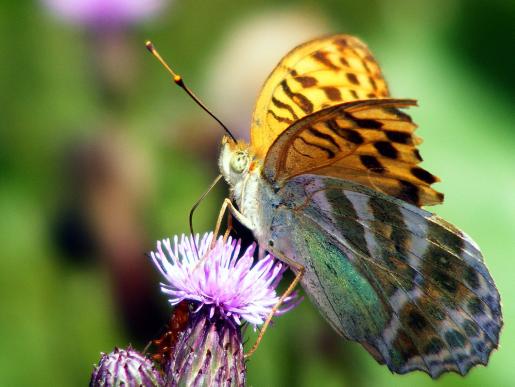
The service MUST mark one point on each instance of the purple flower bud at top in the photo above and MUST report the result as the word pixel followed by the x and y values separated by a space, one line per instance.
pixel 104 13
pixel 224 290
pixel 125 367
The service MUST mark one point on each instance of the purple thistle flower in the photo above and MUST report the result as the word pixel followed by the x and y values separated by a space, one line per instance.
pixel 105 12
pixel 219 280
pixel 125 367
pixel 224 289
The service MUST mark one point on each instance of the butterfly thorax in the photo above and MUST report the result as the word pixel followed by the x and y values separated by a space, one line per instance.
pixel 242 171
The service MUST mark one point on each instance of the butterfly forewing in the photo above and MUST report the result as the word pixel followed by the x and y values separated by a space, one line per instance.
pixel 370 142
pixel 320 73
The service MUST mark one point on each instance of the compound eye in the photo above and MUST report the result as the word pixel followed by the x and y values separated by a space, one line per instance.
pixel 239 162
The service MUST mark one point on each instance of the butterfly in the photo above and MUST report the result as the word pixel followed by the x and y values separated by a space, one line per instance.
pixel 331 183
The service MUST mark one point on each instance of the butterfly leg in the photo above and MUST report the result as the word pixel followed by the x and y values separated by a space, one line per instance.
pixel 227 204
pixel 218 225
pixel 233 211
pixel 219 220
pixel 299 269
pixel 229 227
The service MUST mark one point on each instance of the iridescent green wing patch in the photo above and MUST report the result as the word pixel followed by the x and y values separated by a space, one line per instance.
pixel 442 305
pixel 341 292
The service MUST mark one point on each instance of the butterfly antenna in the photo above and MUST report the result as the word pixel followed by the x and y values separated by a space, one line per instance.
pixel 197 203
pixel 180 82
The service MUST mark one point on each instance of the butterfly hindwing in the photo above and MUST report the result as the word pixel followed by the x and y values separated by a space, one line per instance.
pixel 317 74
pixel 410 287
pixel 370 142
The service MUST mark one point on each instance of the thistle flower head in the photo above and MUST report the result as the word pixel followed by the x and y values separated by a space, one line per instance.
pixel 125 367
pixel 218 279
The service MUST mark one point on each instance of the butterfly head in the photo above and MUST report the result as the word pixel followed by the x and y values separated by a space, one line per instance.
pixel 235 160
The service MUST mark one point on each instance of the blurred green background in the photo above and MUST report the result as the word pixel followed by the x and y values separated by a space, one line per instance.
pixel 100 156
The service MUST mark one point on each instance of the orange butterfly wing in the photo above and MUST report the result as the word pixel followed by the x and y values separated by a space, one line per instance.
pixel 370 142
pixel 327 94
pixel 315 75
